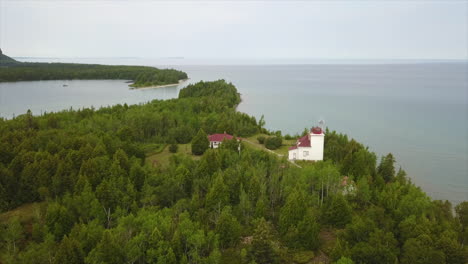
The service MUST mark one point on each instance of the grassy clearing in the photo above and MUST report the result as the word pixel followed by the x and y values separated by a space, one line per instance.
pixel 283 150
pixel 25 213
pixel 159 154
pixel 252 141
pixel 152 148
pixel 162 157
pixel 285 147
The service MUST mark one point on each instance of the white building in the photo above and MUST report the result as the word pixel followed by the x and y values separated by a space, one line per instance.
pixel 217 139
pixel 309 147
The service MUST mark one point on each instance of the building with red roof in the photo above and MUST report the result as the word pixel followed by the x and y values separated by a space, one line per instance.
pixel 217 139
pixel 309 147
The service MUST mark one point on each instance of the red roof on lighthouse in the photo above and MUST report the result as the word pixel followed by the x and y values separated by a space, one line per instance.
pixel 304 141
pixel 219 137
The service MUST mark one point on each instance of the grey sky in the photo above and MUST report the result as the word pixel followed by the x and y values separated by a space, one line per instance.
pixel 246 29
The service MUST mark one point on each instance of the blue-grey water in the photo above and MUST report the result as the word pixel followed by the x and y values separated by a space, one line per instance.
pixel 41 96
pixel 417 111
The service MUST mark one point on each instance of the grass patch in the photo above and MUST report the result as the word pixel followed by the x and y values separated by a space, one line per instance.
pixel 25 213
pixel 305 163
pixel 283 150
pixel 161 158
pixel 152 148
pixel 252 141
pixel 302 257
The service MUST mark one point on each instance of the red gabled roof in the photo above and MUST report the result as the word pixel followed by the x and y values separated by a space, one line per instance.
pixel 219 137
pixel 303 141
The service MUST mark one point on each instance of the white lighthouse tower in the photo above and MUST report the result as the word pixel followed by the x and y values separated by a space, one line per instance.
pixel 317 143
pixel 309 147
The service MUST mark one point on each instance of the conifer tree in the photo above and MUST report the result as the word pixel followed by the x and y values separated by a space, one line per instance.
pixel 200 143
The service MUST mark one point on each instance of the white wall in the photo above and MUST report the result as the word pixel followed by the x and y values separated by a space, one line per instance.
pixel 315 152
pixel 291 154
pixel 317 142
pixel 300 155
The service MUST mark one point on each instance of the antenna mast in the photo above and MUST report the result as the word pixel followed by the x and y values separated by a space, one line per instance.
pixel 321 124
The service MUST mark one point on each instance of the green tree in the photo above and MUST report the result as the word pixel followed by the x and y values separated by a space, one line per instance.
pixel 293 211
pixel 14 233
pixel 59 220
pixel 218 195
pixel 309 229
pixel 364 194
pixel 262 250
pixel 336 211
pixel 107 251
pixel 200 143
pixel 386 168
pixel 421 250
pixel 462 216
pixel 453 251
pixel 69 251
pixel 261 123
pixel 228 228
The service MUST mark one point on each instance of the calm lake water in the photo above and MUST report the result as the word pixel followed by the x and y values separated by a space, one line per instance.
pixel 417 111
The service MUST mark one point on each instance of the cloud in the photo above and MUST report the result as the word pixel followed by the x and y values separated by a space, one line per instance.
pixel 244 29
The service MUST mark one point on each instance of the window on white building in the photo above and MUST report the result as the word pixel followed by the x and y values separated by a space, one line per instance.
pixel 306 153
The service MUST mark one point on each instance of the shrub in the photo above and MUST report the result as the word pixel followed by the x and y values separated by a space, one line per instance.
pixel 261 139
pixel 173 148
pixel 273 142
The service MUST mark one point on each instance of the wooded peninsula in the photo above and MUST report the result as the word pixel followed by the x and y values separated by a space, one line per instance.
pixel 142 76
pixel 80 186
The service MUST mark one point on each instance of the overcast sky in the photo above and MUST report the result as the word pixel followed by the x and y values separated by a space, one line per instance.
pixel 245 29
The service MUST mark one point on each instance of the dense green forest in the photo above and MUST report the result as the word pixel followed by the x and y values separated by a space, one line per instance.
pixel 98 201
pixel 11 70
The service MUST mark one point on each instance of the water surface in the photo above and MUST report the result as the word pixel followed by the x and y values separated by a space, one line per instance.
pixel 39 96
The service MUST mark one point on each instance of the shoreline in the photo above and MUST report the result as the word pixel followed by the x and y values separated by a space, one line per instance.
pixel 158 86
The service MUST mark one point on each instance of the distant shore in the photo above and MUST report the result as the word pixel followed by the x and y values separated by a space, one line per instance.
pixel 158 86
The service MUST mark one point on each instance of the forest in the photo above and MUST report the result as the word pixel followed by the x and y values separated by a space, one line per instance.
pixel 96 200
pixel 142 76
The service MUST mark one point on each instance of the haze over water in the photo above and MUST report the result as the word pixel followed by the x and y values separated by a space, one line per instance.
pixel 417 111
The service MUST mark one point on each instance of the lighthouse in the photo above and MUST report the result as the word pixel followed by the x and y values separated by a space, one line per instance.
pixel 309 147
